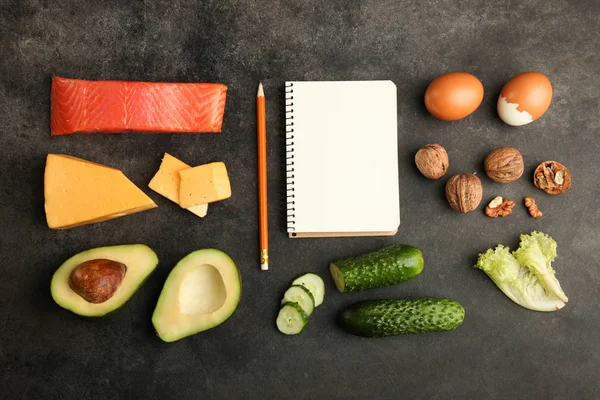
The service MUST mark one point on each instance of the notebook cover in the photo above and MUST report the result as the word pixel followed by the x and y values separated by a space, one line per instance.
pixel 342 158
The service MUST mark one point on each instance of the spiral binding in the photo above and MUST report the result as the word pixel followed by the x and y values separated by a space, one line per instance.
pixel 289 156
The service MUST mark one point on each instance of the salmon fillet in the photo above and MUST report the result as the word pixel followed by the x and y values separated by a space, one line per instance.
pixel 78 106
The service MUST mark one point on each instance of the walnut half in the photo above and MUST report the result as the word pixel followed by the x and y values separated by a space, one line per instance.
pixel 552 177
pixel 499 207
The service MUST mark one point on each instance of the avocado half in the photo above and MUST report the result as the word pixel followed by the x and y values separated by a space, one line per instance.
pixel 139 260
pixel 201 292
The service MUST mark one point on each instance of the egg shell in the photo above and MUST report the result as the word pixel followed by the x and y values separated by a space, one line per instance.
pixel 453 96
pixel 525 98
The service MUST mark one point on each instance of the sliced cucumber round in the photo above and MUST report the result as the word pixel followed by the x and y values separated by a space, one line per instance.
pixel 301 295
pixel 291 319
pixel 315 284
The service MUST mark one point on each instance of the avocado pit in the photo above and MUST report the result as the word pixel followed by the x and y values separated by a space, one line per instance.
pixel 97 280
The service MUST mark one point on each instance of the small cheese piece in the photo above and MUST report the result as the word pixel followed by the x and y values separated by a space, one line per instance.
pixel 204 184
pixel 79 192
pixel 166 182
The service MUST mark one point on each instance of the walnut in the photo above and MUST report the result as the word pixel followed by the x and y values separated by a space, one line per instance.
pixel 552 177
pixel 432 161
pixel 499 207
pixel 504 165
pixel 96 281
pixel 532 207
pixel 464 192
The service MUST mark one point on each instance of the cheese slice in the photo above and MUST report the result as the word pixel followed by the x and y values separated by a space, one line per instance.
pixel 204 184
pixel 166 182
pixel 79 192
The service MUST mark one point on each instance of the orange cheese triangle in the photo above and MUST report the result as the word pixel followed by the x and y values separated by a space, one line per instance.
pixel 79 192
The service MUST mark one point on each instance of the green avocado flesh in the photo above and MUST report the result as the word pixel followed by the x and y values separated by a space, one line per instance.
pixel 139 259
pixel 201 292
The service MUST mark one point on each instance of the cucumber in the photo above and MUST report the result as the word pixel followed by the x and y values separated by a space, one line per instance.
pixel 375 318
pixel 315 284
pixel 301 295
pixel 388 266
pixel 291 319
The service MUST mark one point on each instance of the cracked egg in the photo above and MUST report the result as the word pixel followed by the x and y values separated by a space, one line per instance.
pixel 525 98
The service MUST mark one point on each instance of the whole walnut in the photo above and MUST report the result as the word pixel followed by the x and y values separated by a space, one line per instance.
pixel 432 161
pixel 504 165
pixel 464 192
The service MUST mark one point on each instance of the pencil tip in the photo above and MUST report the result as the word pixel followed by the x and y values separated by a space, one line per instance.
pixel 261 92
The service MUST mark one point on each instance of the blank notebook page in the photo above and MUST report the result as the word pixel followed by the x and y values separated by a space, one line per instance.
pixel 342 158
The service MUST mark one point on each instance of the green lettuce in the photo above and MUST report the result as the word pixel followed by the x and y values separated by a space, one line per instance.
pixel 536 252
pixel 526 276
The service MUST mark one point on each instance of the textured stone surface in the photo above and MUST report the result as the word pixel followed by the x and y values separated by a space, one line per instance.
pixel 500 351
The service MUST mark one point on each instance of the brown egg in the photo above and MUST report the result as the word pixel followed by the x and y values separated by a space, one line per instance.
pixel 453 96
pixel 524 98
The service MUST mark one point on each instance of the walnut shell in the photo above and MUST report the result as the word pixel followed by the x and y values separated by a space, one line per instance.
pixel 96 281
pixel 464 192
pixel 432 161
pixel 552 177
pixel 504 165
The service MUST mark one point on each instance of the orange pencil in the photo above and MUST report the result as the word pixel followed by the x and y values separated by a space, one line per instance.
pixel 261 118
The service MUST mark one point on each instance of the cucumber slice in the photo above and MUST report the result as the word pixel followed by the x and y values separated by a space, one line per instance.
pixel 315 284
pixel 291 319
pixel 301 295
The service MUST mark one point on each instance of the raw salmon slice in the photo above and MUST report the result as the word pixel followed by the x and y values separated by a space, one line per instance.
pixel 78 106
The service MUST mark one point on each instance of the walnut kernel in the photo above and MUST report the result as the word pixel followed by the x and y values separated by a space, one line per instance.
pixel 499 207
pixel 532 207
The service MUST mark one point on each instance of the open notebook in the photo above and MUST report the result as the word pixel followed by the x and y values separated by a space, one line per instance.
pixel 342 159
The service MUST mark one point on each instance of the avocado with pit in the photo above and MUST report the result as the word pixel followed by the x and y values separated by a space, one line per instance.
pixel 201 292
pixel 98 281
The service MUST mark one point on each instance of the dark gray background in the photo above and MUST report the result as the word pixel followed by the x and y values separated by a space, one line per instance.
pixel 501 351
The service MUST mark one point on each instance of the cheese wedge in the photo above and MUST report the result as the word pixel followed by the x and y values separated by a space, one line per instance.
pixel 79 192
pixel 166 182
pixel 204 184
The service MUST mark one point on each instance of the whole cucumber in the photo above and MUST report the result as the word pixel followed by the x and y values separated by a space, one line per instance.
pixel 388 266
pixel 375 318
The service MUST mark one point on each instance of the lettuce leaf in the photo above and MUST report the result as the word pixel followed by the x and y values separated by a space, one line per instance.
pixel 536 252
pixel 524 285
